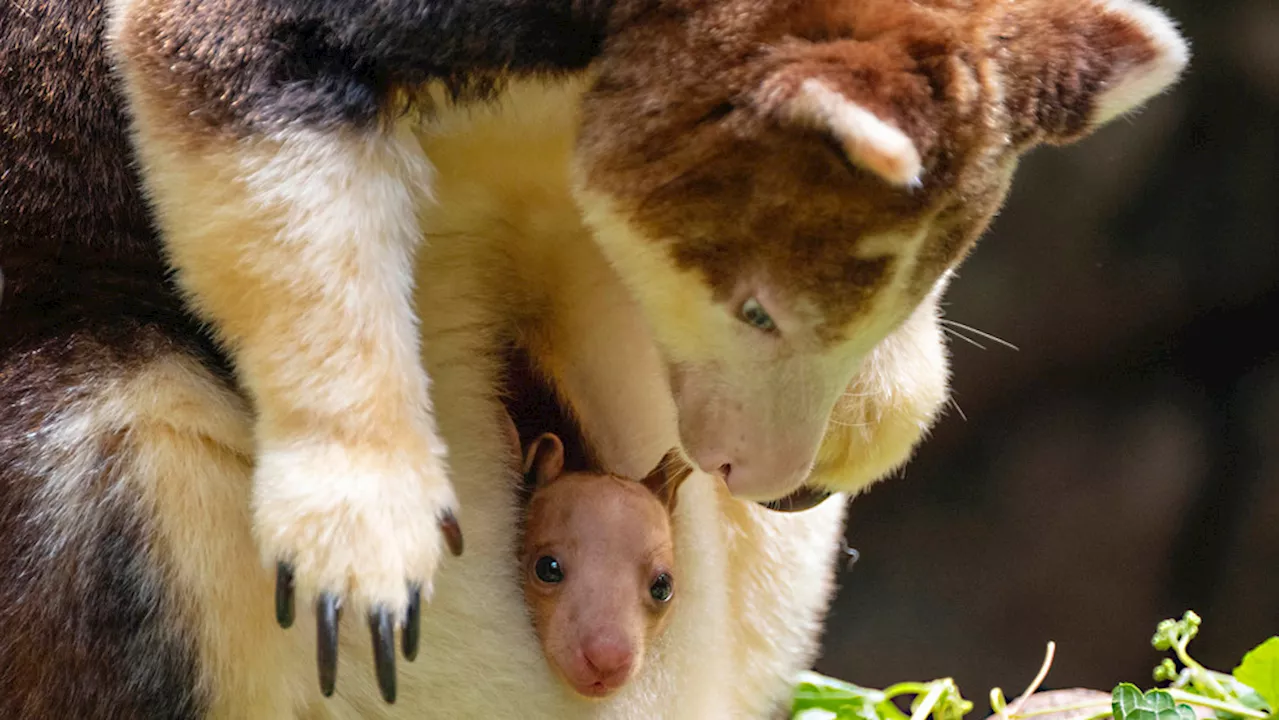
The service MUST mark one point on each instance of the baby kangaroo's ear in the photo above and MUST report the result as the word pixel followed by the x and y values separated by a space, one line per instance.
pixel 545 459
pixel 1071 66
pixel 665 479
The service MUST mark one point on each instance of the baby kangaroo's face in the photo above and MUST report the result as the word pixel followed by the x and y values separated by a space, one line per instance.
pixel 598 571
pixel 598 577
pixel 781 185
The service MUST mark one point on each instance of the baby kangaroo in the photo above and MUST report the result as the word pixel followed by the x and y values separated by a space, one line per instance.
pixel 597 564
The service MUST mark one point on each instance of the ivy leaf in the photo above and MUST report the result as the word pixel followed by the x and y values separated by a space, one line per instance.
pixel 1129 703
pixel 1260 670
pixel 821 696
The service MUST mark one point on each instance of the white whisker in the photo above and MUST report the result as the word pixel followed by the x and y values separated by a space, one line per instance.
pixel 980 333
pixel 965 338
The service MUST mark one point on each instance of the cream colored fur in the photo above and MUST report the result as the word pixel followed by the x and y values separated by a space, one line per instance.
pixel 892 402
pixel 342 470
pixel 506 229
pixel 754 584
pixel 345 445
pixel 184 449
pixel 299 247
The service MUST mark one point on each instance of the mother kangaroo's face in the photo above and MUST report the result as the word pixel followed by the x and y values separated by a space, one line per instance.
pixel 761 338
pixel 780 188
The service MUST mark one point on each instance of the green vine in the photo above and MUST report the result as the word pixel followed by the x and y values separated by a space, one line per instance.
pixel 1248 693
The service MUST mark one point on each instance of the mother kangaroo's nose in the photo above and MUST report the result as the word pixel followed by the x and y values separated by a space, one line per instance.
pixel 714 462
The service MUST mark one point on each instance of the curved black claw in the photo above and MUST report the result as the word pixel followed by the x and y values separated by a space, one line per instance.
pixel 327 641
pixel 384 651
pixel 284 595
pixel 803 499
pixel 452 533
pixel 412 623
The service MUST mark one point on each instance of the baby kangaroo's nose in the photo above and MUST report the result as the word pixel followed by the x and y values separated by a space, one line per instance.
pixel 609 659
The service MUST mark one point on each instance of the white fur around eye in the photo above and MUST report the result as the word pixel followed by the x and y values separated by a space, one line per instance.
pixel 754 314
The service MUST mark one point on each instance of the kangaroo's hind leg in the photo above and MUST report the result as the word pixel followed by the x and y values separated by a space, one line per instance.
pixel 132 584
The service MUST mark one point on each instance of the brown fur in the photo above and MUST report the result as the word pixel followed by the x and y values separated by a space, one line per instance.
pixel 687 107
pixel 691 97
pixel 533 406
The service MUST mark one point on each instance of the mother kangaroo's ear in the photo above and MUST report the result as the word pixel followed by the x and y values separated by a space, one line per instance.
pixel 869 75
pixel 544 460
pixel 892 82
pixel 1071 66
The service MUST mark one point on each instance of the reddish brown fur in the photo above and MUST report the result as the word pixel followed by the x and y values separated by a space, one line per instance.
pixel 698 91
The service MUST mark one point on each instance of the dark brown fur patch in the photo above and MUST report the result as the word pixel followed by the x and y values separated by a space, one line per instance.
pixel 89 629
pixel 245 66
pixel 68 195
pixel 536 406
pixel 686 130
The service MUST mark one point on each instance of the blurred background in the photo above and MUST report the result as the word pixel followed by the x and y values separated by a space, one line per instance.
pixel 1120 466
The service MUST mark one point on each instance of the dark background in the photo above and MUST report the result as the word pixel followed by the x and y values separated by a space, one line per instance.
pixel 1121 465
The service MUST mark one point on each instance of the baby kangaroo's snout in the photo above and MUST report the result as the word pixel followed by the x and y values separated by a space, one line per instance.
pixel 607 661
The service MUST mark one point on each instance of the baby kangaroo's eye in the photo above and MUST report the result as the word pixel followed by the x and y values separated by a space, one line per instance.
pixel 661 589
pixel 753 314
pixel 548 570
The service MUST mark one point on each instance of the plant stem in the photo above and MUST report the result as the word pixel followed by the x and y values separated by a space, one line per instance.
pixel 1016 705
pixel 1066 708
pixel 1223 705
pixel 905 688
pixel 926 706
pixel 1200 675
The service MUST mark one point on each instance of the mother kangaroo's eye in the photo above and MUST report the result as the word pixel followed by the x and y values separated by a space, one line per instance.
pixel 548 570
pixel 753 314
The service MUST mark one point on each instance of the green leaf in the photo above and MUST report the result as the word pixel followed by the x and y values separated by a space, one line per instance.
pixel 818 697
pixel 846 700
pixel 858 711
pixel 1260 670
pixel 1129 703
